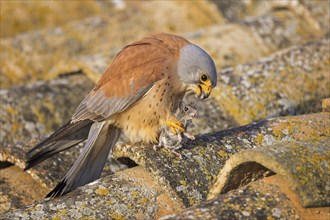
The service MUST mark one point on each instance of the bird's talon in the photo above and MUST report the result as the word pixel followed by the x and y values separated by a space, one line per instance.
pixel 175 126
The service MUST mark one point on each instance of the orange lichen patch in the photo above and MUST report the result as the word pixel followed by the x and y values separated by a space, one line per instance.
pixel 307 133
pixel 311 130
pixel 307 127
pixel 281 129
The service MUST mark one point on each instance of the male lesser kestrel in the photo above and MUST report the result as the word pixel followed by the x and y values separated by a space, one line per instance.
pixel 132 100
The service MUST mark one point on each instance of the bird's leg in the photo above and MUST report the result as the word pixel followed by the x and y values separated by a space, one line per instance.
pixel 175 126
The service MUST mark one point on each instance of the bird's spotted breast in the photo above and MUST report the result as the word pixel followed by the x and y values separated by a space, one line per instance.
pixel 141 122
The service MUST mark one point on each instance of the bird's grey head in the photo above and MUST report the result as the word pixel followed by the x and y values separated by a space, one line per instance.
pixel 197 69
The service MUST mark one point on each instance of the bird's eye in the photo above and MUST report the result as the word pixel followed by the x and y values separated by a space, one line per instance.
pixel 204 78
pixel 185 109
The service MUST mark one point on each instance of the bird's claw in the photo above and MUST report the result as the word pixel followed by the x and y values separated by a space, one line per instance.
pixel 175 125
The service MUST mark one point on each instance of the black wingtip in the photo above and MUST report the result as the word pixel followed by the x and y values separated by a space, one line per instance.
pixel 34 160
pixel 27 166
pixel 38 157
pixel 59 133
pixel 58 190
pixel 53 144
pixel 31 163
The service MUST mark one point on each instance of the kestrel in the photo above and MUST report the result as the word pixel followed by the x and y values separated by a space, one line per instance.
pixel 133 99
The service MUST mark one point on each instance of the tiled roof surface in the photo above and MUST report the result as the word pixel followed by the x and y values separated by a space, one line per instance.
pixel 262 147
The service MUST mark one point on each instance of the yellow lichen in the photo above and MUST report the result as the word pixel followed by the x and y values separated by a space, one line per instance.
pixel 222 153
pixel 144 200
pixel 299 168
pixel 116 216
pixel 83 205
pixel 135 194
pixel 183 182
pixel 11 110
pixel 102 192
pixel 57 217
pixel 63 212
pixel 87 218
pixel 270 218
pixel 259 138
pixel 227 200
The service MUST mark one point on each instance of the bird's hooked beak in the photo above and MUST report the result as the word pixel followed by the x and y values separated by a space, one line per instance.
pixel 203 91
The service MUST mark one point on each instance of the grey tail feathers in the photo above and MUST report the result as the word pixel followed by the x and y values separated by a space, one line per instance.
pixel 65 137
pixel 89 165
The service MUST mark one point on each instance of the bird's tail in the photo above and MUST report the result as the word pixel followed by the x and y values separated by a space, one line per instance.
pixel 89 165
pixel 65 137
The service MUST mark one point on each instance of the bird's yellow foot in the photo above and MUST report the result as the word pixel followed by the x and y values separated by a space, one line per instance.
pixel 175 126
